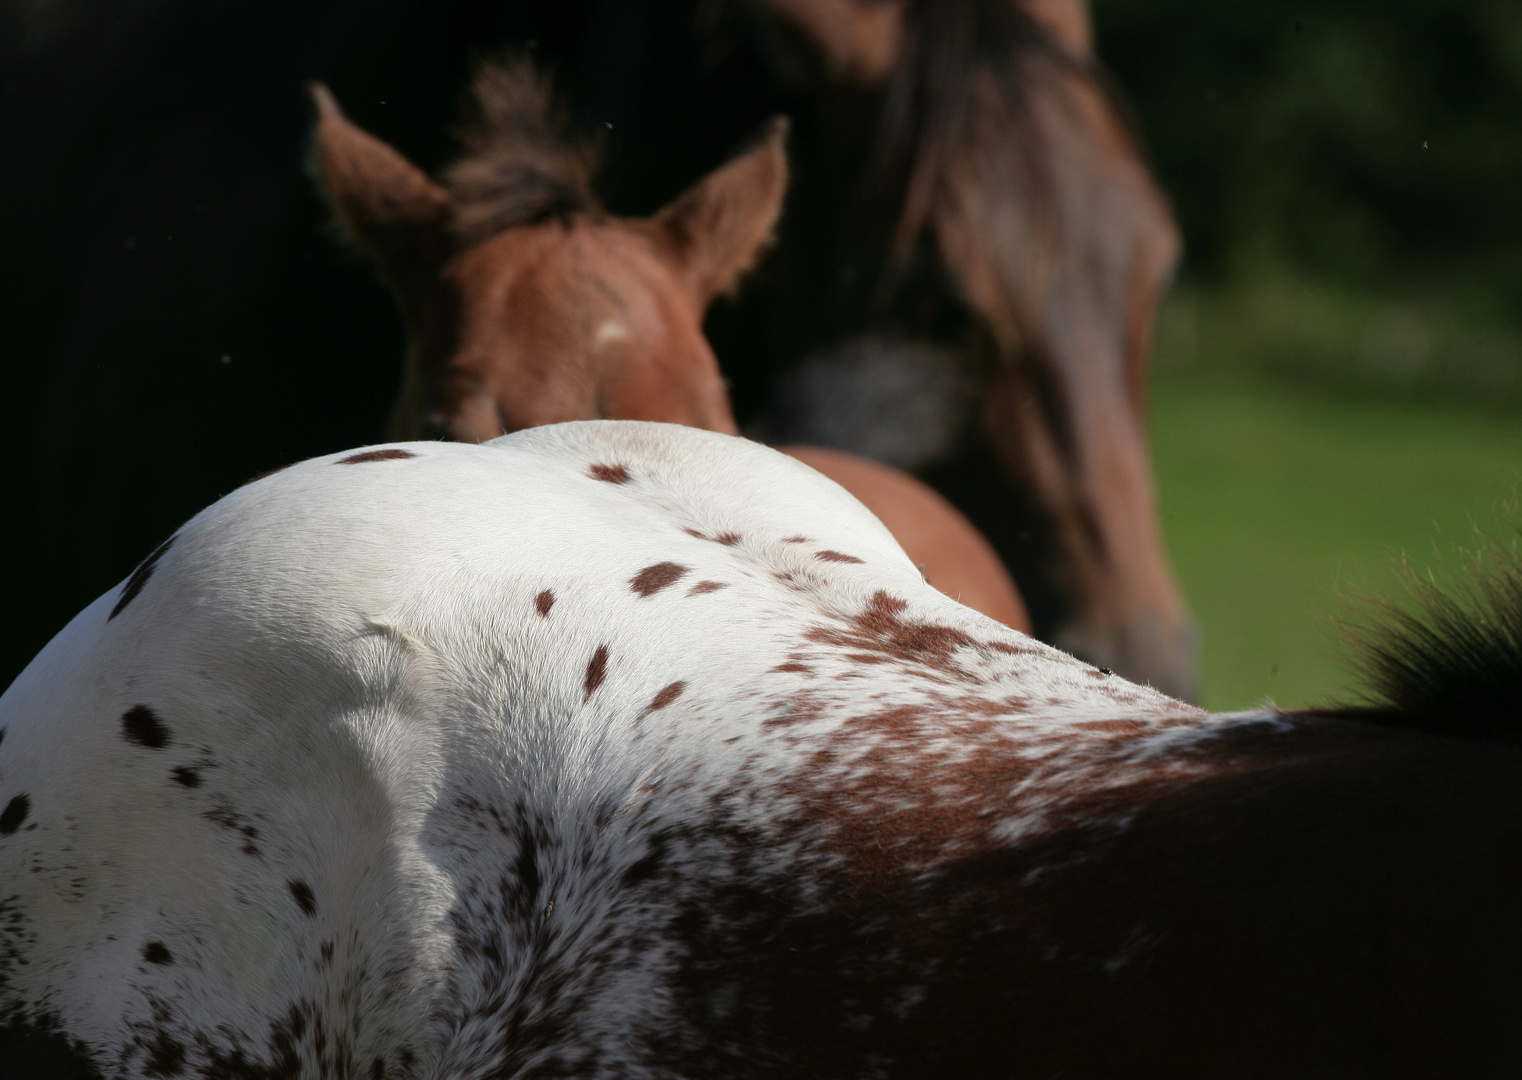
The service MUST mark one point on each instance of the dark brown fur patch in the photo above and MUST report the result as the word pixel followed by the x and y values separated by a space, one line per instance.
pixel 728 539
pixel 794 666
pixel 306 900
pixel 390 454
pixel 166 1054
pixel 836 556
pixel 1112 727
pixel 707 587
pixel 597 671
pixel 888 785
pixel 543 602
pixel 613 474
pixel 224 815
pixel 796 540
pixel 185 776
pixel 666 696
pixel 140 577
pixel 141 726
pixel 156 953
pixel 14 814
pixel 879 631
pixel 652 579
pixel 1015 650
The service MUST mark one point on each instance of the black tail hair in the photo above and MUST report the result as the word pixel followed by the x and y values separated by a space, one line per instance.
pixel 1452 663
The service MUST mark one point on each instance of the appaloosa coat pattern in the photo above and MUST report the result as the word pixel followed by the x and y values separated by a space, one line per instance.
pixel 630 750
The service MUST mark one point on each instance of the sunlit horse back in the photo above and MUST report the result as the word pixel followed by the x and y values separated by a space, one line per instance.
pixel 615 749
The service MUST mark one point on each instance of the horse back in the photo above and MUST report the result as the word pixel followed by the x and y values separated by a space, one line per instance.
pixel 620 749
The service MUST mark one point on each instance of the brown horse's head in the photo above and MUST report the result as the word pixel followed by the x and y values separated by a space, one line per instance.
pixel 1002 153
pixel 525 302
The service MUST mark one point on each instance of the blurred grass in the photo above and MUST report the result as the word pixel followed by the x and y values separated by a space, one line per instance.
pixel 1294 471
pixel 1340 374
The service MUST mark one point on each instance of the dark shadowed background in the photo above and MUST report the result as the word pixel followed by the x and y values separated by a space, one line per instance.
pixel 1338 371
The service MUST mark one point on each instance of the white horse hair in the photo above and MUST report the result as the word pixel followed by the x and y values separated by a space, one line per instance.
pixel 603 749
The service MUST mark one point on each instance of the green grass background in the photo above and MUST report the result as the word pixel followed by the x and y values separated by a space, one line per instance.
pixel 1339 373
pixel 1283 503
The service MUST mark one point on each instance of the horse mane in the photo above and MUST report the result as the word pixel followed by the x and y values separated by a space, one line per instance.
pixel 933 112
pixel 1452 663
pixel 519 165
pixel 980 127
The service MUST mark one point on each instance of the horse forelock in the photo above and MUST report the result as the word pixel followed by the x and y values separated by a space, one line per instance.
pixel 519 164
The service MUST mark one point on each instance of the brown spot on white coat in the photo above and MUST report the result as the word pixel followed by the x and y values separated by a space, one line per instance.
pixel 652 579
pixel 390 453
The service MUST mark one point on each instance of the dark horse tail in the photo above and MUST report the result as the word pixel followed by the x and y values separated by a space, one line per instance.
pixel 1451 664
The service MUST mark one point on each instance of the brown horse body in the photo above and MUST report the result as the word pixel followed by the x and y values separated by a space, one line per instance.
pixel 529 305
pixel 969 181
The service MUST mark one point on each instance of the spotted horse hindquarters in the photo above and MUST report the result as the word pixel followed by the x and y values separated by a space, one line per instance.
pixel 625 749
pixel 222 780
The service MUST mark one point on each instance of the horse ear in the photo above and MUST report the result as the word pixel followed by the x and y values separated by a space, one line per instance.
pixel 717 228
pixel 385 205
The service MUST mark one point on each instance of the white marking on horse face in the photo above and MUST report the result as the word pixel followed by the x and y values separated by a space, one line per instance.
pixel 610 332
